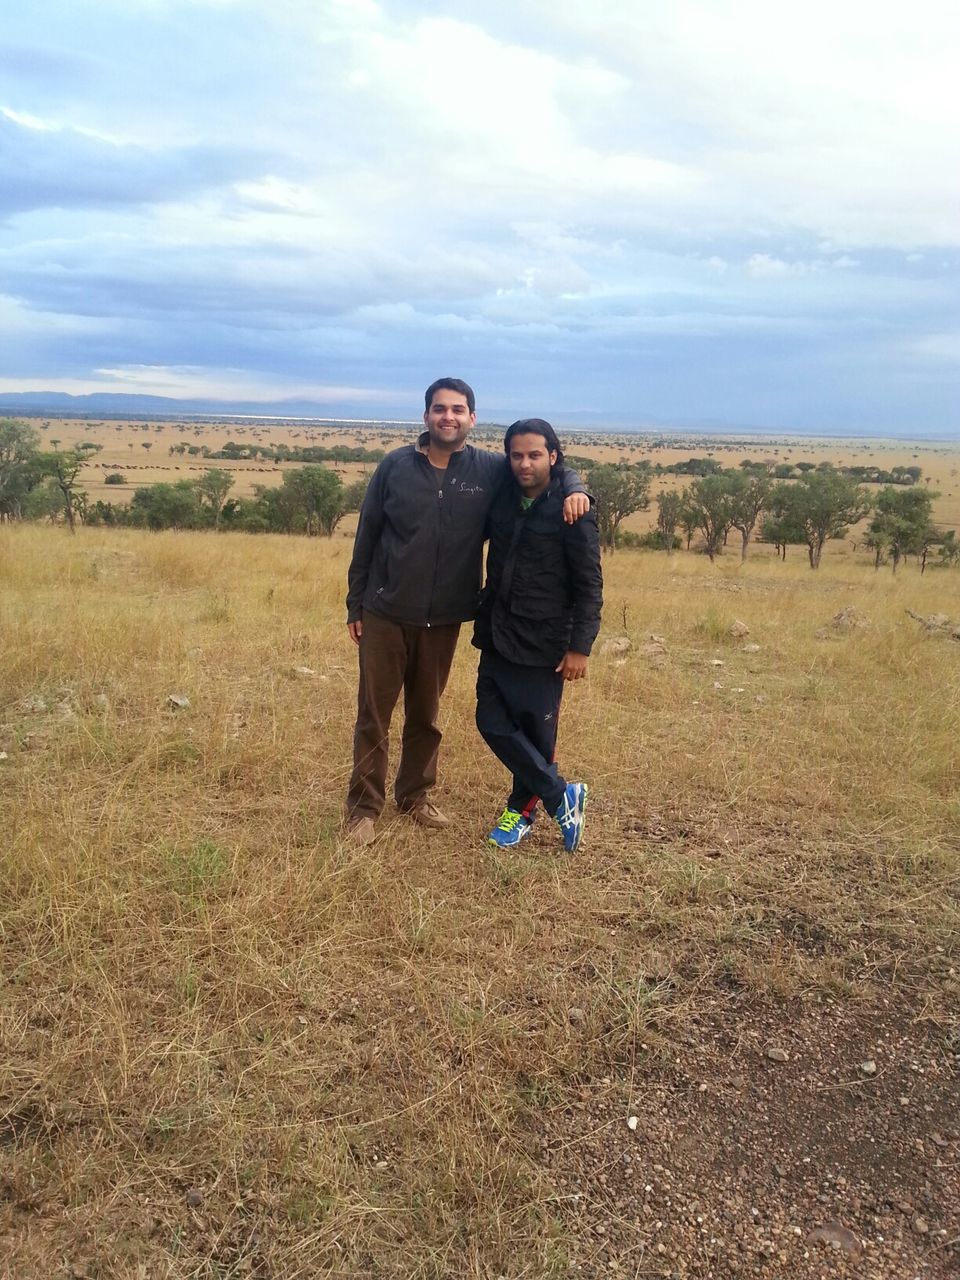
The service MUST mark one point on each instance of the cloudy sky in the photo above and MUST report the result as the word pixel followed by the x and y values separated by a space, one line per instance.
pixel 740 212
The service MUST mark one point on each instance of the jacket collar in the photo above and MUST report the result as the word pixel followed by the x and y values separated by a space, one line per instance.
pixel 423 439
pixel 553 487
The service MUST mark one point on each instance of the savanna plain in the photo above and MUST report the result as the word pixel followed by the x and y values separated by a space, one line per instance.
pixel 722 1040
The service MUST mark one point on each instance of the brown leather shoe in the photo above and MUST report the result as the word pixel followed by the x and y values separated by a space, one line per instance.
pixel 362 831
pixel 428 815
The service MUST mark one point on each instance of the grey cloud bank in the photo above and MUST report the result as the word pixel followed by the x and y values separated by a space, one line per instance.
pixel 662 215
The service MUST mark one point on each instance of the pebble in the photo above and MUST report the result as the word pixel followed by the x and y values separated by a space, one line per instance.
pixel 921 1226
pixel 836 1236
pixel 632 1123
pixel 776 1054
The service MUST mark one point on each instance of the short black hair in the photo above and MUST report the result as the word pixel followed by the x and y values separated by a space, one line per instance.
pixel 536 427
pixel 450 384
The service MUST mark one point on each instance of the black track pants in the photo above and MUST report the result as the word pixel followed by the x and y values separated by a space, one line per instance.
pixel 517 713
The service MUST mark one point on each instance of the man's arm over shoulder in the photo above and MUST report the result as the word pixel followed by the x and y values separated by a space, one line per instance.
pixel 368 535
pixel 576 500
pixel 582 553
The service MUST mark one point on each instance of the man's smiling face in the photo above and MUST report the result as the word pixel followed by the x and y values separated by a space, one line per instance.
pixel 448 419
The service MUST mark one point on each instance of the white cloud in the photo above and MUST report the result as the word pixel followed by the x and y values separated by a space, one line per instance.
pixel 222 384
pixel 939 346
pixel 28 121
pixel 841 119
pixel 763 266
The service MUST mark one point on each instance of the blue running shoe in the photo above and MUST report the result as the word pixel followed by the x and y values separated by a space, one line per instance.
pixel 510 829
pixel 571 815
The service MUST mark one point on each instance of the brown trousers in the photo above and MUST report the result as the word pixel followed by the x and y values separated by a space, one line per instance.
pixel 394 656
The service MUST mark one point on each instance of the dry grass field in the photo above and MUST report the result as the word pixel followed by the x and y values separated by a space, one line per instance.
pixel 233 1045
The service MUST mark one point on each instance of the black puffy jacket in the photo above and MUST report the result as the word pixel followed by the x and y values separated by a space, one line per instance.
pixel 544 588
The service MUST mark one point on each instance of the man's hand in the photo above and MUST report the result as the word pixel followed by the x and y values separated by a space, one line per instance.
pixel 573 665
pixel 575 505
pixel 356 631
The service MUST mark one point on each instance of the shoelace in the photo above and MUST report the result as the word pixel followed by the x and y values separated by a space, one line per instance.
pixel 508 820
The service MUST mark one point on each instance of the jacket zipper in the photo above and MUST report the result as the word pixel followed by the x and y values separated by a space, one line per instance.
pixel 436 560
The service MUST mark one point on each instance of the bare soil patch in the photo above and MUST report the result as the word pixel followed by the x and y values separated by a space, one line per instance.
pixel 841 1160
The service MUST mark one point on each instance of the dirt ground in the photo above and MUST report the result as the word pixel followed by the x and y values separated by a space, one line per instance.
pixel 798 1143
pixel 788 1143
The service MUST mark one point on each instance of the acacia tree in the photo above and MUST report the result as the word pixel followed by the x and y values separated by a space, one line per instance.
pixel 822 504
pixel 619 492
pixel 949 548
pixel 782 529
pixel 688 518
pixel 212 489
pixel 903 524
pixel 669 509
pixel 312 498
pixel 19 470
pixel 879 543
pixel 316 494
pixel 750 493
pixel 64 469
pixel 166 506
pixel 709 502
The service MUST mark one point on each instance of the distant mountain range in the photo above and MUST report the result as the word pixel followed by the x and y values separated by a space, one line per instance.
pixel 113 404
pixel 119 404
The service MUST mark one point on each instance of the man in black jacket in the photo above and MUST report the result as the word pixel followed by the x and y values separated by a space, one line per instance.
pixel 413 579
pixel 538 619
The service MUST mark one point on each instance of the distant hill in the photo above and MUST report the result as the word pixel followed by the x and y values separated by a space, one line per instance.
pixel 111 404
pixel 119 404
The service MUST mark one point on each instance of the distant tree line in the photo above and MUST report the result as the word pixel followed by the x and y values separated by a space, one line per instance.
pixel 233 452
pixel 766 467
pixel 820 503
pixel 823 502
pixel 791 470
pixel 36 484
